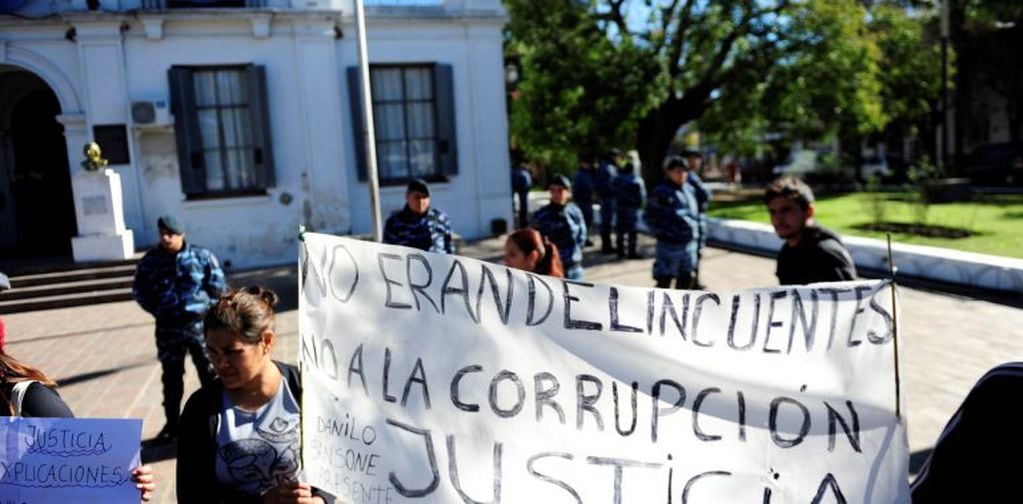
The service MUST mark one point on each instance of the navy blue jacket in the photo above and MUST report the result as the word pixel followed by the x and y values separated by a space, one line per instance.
pixel 702 193
pixel 606 172
pixel 521 180
pixel 430 231
pixel 672 213
pixel 563 225
pixel 584 185
pixel 629 193
pixel 179 288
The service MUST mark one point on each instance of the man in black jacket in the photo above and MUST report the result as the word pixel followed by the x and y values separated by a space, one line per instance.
pixel 811 254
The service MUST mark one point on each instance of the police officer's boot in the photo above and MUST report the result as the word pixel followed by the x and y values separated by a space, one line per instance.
pixel 685 281
pixel 633 253
pixel 606 247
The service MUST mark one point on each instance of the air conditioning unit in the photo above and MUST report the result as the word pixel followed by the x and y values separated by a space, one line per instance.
pixel 150 113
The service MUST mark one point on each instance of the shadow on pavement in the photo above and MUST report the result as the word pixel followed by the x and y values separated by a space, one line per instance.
pixel 78 333
pixel 93 375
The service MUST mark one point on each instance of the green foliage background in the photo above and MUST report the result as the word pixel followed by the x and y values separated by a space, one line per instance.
pixel 629 73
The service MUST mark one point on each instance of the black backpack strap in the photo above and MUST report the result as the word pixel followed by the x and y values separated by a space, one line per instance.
pixel 213 404
pixel 293 378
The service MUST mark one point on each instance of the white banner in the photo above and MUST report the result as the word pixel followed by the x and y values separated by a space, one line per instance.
pixel 434 378
pixel 68 460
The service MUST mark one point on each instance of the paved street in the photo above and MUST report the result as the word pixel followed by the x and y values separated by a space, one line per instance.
pixel 105 359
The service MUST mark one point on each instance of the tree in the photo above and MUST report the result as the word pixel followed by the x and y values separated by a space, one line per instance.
pixel 988 35
pixel 598 72
pixel 911 71
pixel 863 71
pixel 573 95
pixel 708 52
pixel 983 33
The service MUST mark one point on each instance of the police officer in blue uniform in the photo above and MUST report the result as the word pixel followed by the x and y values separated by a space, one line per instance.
pixel 177 282
pixel 606 172
pixel 562 222
pixel 672 214
pixel 694 160
pixel 629 193
pixel 521 182
pixel 418 225
pixel 584 187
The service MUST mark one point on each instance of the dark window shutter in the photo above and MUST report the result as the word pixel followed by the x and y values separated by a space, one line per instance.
pixel 447 140
pixel 355 105
pixel 261 140
pixel 186 131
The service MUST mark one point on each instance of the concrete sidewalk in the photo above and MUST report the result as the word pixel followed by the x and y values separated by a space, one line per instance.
pixel 104 356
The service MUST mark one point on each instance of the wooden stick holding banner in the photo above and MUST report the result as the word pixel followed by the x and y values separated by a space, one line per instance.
pixel 892 270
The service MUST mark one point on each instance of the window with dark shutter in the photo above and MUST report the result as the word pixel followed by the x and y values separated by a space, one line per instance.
pixel 413 113
pixel 222 126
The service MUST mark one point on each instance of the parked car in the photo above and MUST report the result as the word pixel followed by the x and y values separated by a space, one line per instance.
pixel 799 163
pixel 874 166
pixel 995 164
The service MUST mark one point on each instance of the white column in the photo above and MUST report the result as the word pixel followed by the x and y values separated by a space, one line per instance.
pixel 317 83
pixel 482 80
pixel 101 60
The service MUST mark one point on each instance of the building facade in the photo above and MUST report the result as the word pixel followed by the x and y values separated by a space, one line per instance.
pixel 243 118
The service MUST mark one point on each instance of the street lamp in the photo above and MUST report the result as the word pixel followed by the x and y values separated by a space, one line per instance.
pixel 511 74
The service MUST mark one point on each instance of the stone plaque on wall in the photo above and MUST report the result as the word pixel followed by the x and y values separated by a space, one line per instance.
pixel 94 205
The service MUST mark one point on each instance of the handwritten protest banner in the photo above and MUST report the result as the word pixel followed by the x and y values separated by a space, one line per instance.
pixel 432 378
pixel 68 460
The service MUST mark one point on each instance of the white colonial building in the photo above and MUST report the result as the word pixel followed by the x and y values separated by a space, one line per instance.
pixel 242 118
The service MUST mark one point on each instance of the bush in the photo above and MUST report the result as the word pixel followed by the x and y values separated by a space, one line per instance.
pixel 876 201
pixel 921 175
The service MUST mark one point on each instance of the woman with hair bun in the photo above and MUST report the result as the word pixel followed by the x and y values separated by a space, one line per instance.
pixel 526 249
pixel 239 439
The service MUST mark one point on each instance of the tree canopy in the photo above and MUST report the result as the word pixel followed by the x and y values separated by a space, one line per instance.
pixel 603 73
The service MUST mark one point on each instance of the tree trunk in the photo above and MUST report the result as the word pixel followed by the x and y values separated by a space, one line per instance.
pixel 657 130
pixel 1015 109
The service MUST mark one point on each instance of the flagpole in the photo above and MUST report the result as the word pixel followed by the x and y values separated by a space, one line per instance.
pixel 368 128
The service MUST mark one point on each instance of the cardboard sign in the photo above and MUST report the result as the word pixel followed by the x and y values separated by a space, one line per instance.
pixel 432 378
pixel 68 460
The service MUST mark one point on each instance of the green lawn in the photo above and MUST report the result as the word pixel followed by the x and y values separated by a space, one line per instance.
pixel 995 221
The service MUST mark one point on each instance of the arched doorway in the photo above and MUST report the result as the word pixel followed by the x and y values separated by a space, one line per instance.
pixel 37 214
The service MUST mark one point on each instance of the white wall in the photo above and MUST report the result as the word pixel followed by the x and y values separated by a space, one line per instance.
pixel 252 230
pixel 314 158
pixel 481 192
